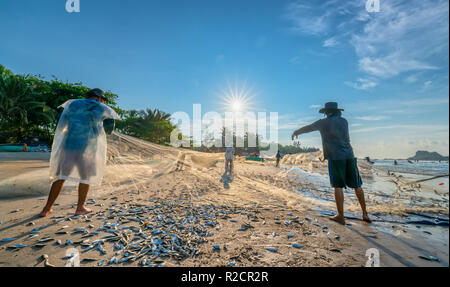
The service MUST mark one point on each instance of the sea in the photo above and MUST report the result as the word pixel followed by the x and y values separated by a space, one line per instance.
pixel 432 168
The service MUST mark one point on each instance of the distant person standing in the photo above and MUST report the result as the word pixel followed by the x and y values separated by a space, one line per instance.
pixel 278 156
pixel 342 164
pixel 180 161
pixel 79 147
pixel 229 156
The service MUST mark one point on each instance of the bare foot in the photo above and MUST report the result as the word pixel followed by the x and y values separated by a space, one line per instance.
pixel 82 211
pixel 45 212
pixel 366 218
pixel 338 219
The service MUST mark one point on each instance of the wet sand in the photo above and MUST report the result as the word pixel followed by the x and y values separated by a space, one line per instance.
pixel 259 197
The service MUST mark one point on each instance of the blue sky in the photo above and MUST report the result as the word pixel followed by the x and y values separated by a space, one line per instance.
pixel 389 70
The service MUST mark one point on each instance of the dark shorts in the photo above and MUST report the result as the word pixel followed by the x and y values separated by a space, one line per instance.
pixel 70 160
pixel 344 173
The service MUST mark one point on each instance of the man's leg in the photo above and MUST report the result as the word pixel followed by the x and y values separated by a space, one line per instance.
pixel 54 193
pixel 339 197
pixel 83 190
pixel 360 195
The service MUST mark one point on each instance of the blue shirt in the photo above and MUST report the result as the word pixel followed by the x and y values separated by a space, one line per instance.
pixel 229 152
pixel 83 120
pixel 335 137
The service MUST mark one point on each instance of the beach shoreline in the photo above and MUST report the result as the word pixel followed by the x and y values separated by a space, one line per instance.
pixel 260 196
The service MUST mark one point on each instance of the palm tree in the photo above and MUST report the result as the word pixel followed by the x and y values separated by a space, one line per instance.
pixel 18 108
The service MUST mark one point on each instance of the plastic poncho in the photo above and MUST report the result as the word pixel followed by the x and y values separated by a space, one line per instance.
pixel 79 146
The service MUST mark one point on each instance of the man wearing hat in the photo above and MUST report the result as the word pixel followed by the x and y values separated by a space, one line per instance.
pixel 342 164
pixel 79 147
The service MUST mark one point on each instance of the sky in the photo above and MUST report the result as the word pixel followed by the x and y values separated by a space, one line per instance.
pixel 389 70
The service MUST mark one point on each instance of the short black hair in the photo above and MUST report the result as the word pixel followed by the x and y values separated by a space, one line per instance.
pixel 333 112
pixel 96 93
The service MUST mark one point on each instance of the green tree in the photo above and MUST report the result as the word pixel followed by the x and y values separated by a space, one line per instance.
pixel 151 125
pixel 20 111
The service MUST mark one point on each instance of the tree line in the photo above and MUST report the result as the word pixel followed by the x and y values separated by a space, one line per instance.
pixel 29 109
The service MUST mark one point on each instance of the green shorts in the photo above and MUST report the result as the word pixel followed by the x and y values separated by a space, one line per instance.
pixel 344 173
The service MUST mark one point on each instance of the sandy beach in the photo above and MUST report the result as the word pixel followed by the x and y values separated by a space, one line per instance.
pixel 258 219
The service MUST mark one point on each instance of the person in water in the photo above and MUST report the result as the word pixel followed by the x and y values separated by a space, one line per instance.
pixel 79 147
pixel 342 164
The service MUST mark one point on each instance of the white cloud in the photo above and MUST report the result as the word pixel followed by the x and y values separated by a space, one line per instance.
pixel 307 18
pixel 315 106
pixel 391 65
pixel 331 42
pixel 372 118
pixel 411 79
pixel 405 36
pixel 416 128
pixel 362 84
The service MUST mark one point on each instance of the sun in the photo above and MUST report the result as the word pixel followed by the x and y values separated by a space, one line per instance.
pixel 236 106
pixel 237 99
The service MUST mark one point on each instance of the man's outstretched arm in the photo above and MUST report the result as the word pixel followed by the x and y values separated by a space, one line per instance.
pixel 307 129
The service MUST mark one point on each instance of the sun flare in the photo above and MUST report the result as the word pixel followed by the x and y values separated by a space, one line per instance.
pixel 236 106
pixel 237 99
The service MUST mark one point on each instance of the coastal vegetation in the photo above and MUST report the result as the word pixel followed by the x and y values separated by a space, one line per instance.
pixel 29 108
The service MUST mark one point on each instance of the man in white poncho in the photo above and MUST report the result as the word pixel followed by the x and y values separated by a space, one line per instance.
pixel 79 147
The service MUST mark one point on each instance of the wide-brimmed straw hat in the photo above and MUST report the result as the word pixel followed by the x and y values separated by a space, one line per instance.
pixel 330 107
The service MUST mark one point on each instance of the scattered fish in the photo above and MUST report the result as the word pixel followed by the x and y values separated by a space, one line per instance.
pixel 113 261
pixel 88 260
pixel 298 246
pixel 271 249
pixel 8 239
pixel 17 246
pixel 429 258
pixel 47 239
pixel 32 236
